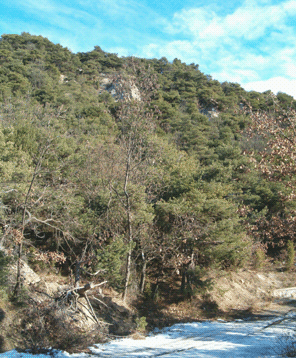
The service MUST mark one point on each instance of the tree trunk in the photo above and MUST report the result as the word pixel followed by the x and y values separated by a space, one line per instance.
pixel 18 271
pixel 129 254
pixel 183 282
pixel 143 277
pixel 129 226
pixel 77 273
pixel 128 273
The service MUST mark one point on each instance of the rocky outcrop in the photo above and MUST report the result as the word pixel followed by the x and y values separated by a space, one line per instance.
pixel 211 113
pixel 119 88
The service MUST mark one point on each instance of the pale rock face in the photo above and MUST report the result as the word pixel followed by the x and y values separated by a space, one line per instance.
pixel 28 276
pixel 125 89
pixel 210 113
pixel 105 81
pixel 135 93
pixel 63 79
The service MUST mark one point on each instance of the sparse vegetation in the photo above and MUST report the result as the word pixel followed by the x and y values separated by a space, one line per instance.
pixel 290 256
pixel 141 324
pixel 260 258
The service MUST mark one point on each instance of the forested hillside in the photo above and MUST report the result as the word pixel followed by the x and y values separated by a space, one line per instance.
pixel 138 171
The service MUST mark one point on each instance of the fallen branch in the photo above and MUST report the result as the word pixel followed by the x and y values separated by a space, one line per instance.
pixel 91 316
pixel 92 313
pixel 91 309
pixel 103 303
pixel 82 289
pixel 94 274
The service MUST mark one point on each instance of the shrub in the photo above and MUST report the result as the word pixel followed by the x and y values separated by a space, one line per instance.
pixel 141 324
pixel 259 258
pixel 290 261
pixel 5 261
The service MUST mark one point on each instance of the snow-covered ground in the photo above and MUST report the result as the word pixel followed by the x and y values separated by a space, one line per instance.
pixel 240 338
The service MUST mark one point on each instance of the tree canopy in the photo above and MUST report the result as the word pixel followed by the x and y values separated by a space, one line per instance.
pixel 105 158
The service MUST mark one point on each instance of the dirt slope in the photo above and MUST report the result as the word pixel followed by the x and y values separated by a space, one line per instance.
pixel 240 293
pixel 251 290
pixel 234 294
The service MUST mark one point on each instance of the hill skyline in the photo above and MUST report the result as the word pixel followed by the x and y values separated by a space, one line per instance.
pixel 248 42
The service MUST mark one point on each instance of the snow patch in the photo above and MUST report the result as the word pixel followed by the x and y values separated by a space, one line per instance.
pixel 241 338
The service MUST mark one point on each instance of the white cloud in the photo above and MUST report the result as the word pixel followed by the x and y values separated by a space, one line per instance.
pixel 191 21
pixel 151 50
pixel 250 21
pixel 214 30
pixel 121 51
pixel 237 76
pixel 276 84
pixel 254 42
pixel 290 6
pixel 290 69
pixel 40 5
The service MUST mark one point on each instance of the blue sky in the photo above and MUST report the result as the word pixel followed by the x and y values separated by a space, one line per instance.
pixel 252 42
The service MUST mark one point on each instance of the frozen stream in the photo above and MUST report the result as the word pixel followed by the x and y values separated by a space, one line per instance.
pixel 263 338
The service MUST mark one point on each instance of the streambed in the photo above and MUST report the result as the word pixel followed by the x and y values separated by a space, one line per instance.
pixel 240 338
